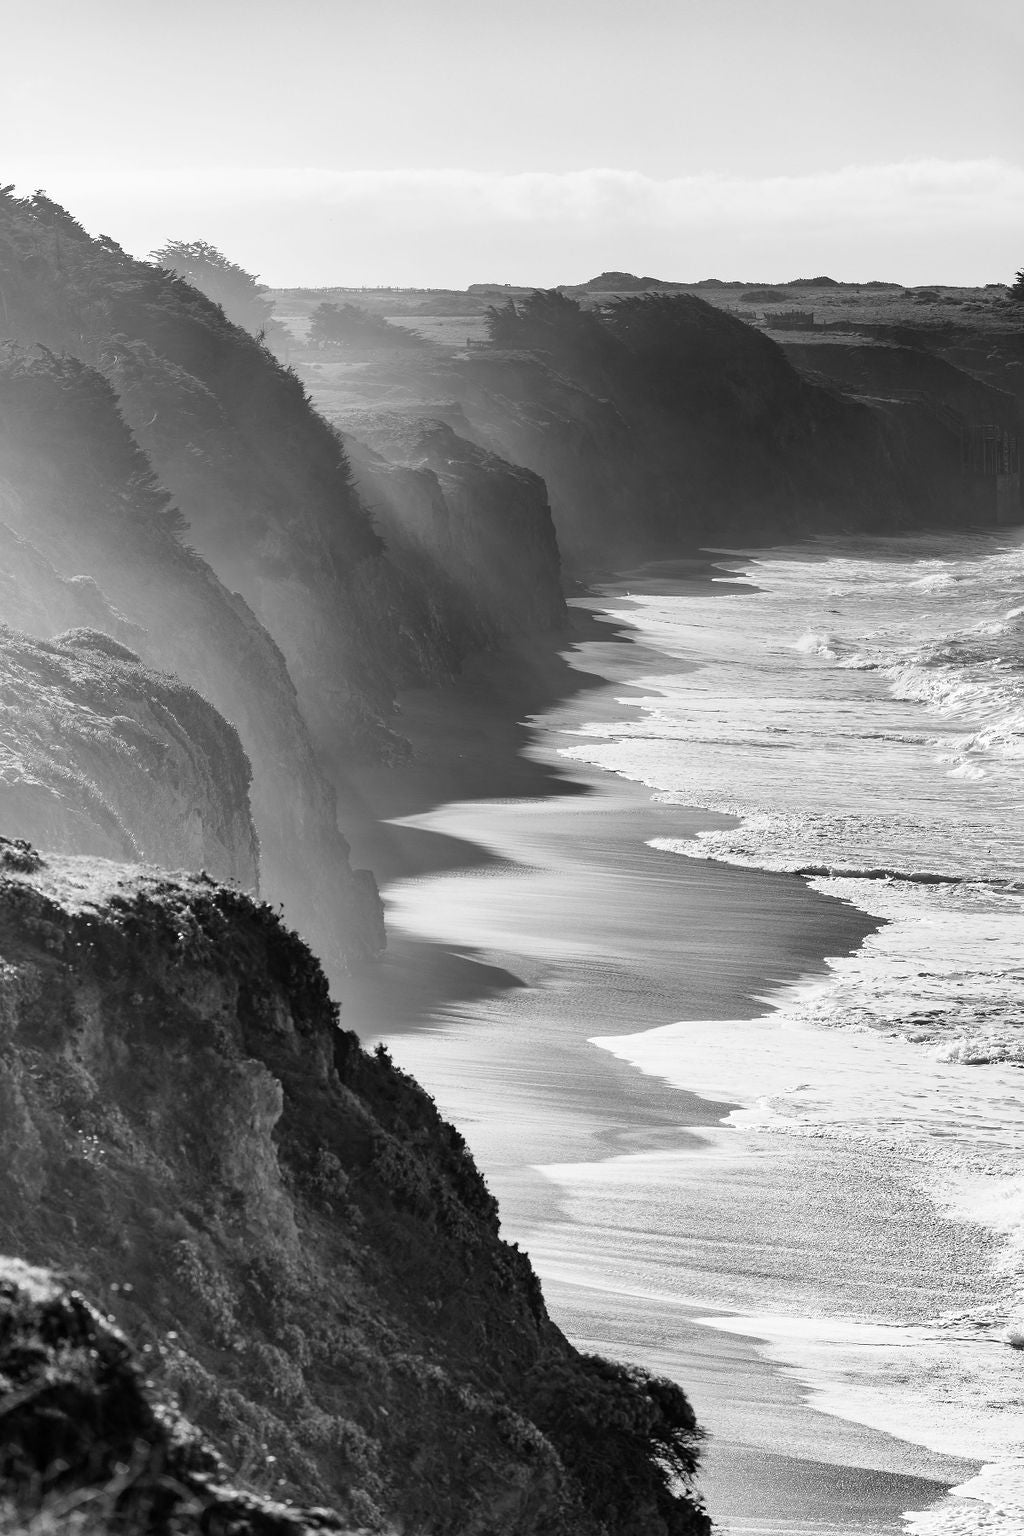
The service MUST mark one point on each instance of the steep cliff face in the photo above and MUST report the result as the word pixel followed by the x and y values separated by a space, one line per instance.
pixel 656 424
pixel 479 525
pixel 260 477
pixel 930 404
pixel 884 370
pixel 664 421
pixel 605 492
pixel 99 754
pixel 990 352
pixel 304 1250
pixel 73 481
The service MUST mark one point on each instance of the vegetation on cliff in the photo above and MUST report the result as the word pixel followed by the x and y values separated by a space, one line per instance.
pixel 303 1249
pixel 339 325
pixel 86 1447
pixel 239 293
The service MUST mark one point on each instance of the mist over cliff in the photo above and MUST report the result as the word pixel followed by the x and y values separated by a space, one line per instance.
pixel 202 618
pixel 161 453
pixel 660 421
pixel 213 599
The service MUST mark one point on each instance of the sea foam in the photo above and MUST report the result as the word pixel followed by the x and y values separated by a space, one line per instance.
pixel 860 711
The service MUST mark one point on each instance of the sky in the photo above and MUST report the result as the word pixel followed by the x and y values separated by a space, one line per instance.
pixel 435 143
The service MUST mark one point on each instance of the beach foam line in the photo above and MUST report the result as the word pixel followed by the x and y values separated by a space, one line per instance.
pixel 991 1503
pixel 843 1366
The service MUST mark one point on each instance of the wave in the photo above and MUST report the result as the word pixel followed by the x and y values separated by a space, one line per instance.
pixel 895 669
pixel 992 1503
pixel 944 970
pixel 983 1049
pixel 910 877
pixel 814 644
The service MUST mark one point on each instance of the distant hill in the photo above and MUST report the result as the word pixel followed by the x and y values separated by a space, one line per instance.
pixel 625 282
pixel 831 282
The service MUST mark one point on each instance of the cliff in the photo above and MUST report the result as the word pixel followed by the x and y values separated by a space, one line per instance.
pixel 659 422
pixel 985 342
pixel 303 1250
pixel 86 1447
pixel 662 421
pixel 931 405
pixel 99 754
pixel 480 525
pixel 261 479
pixel 884 370
pixel 90 529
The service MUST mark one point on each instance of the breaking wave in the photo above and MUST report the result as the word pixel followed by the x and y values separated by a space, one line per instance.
pixel 858 712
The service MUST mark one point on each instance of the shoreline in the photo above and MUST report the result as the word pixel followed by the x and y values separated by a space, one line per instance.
pixel 424 993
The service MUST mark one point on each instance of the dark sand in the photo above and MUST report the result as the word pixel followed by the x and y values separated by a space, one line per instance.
pixel 563 925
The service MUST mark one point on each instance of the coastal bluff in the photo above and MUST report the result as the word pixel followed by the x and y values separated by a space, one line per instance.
pixel 82 1423
pixel 301 1248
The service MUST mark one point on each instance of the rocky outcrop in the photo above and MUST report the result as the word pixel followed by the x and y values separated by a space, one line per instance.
pixel 302 1248
pixel 99 754
pixel 86 1445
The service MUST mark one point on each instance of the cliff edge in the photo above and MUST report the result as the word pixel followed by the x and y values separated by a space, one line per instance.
pixel 304 1250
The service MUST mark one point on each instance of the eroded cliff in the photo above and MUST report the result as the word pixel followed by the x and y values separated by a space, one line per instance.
pixel 100 754
pixel 480 525
pixel 303 1248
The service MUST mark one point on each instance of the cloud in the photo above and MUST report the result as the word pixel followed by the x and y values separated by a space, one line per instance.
pixel 964 216
pixel 906 190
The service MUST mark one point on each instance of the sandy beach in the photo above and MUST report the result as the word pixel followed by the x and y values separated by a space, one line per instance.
pixel 528 915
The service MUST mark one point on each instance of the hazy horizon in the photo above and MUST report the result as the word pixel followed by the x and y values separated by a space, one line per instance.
pixel 440 144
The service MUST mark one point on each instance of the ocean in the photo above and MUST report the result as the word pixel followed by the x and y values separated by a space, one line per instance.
pixel 849 711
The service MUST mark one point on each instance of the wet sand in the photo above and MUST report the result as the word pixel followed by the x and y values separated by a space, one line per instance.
pixel 528 922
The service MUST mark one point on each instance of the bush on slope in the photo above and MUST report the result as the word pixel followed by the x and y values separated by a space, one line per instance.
pixel 302 1246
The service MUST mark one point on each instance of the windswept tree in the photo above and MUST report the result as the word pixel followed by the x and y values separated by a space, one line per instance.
pixel 537 320
pixel 346 325
pixel 559 328
pixel 1016 288
pixel 239 293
